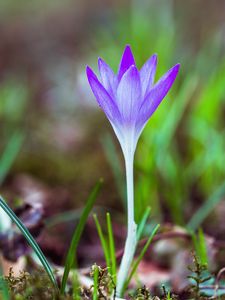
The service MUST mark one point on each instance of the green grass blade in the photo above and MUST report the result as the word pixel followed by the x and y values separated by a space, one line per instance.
pixel 168 297
pixel 67 216
pixel 200 246
pixel 76 286
pixel 174 116
pixel 95 291
pixel 111 246
pixel 138 260
pixel 143 222
pixel 77 233
pixel 105 247
pixel 4 292
pixel 10 153
pixel 30 240
pixel 203 212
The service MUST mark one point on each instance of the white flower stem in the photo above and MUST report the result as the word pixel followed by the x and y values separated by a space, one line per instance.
pixel 131 240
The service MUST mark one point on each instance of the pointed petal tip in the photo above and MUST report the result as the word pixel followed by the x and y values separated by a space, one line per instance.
pixel 89 71
pixel 100 61
pixel 90 74
pixel 132 69
pixel 128 52
pixel 176 67
pixel 155 56
pixel 102 64
pixel 127 47
pixel 174 70
pixel 151 63
pixel 126 61
pixel 154 59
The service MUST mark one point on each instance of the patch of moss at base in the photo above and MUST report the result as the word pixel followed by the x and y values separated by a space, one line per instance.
pixel 27 286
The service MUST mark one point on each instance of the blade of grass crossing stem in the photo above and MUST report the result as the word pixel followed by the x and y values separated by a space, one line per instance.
pixel 111 246
pixel 104 244
pixel 207 207
pixel 138 260
pixel 77 233
pixel 67 216
pixel 30 240
pixel 143 222
pixel 95 291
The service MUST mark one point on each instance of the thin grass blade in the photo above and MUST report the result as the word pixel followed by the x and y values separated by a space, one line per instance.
pixel 4 292
pixel 10 153
pixel 95 291
pixel 200 246
pixel 77 233
pixel 76 286
pixel 111 246
pixel 31 241
pixel 67 216
pixel 203 212
pixel 143 222
pixel 104 243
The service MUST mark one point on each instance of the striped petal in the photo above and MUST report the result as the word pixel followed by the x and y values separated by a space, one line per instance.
pixel 128 95
pixel 108 78
pixel 103 98
pixel 147 74
pixel 156 95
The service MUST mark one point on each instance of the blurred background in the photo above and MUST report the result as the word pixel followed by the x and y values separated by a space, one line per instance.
pixel 55 142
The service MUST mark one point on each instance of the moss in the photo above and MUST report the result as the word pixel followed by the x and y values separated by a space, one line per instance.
pixel 37 286
pixel 31 286
pixel 198 277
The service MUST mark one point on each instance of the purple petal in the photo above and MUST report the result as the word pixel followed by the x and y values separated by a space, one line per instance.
pixel 126 61
pixel 156 95
pixel 103 98
pixel 108 78
pixel 128 94
pixel 147 74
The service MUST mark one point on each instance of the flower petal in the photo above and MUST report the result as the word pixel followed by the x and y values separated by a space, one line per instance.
pixel 128 95
pixel 147 74
pixel 103 98
pixel 108 78
pixel 126 61
pixel 156 95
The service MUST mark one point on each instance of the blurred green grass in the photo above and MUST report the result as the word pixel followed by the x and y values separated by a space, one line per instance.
pixel 180 157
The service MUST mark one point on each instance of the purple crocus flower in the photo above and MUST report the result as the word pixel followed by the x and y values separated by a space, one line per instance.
pixel 130 97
